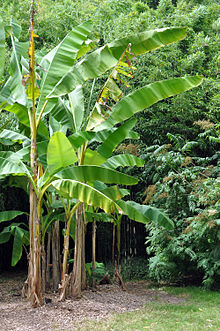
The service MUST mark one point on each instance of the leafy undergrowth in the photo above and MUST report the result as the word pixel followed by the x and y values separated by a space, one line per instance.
pixel 200 311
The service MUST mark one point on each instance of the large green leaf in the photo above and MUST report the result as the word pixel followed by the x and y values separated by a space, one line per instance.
pixel 15 28
pixel 123 160
pixel 91 173
pixel 147 41
pixel 5 93
pixel 61 112
pixel 93 158
pixel 9 215
pixel 78 138
pixel 63 59
pixel 14 136
pixel 5 235
pixel 144 214
pixel 11 168
pixel 17 245
pixel 101 136
pixel 116 137
pixel 22 114
pixel 16 86
pixel 55 126
pixel 115 193
pixel 77 107
pixel 105 58
pixel 146 97
pixel 60 152
pixel 2 48
pixel 85 193
pixel 92 66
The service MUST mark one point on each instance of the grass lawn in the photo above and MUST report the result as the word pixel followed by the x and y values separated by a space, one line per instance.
pixel 199 311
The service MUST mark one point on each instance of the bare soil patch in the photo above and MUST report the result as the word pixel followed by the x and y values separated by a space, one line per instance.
pixel 17 314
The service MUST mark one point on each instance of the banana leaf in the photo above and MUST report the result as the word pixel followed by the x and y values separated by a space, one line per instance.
pixel 105 58
pixel 63 59
pixel 9 215
pixel 60 152
pixel 22 114
pixel 8 167
pixel 146 97
pixel 144 214
pixel 16 86
pixel 115 138
pixel 77 107
pixel 78 138
pixel 14 136
pixel 92 173
pixel 123 160
pixel 85 193
pixel 93 158
pixel 20 238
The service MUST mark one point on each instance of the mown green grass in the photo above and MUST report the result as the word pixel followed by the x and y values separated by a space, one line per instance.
pixel 199 311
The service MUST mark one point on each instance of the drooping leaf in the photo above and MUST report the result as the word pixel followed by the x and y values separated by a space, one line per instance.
pixel 92 66
pixel 146 97
pixel 123 160
pixel 16 86
pixel 91 173
pixel 5 93
pixel 14 136
pixel 11 168
pixel 115 138
pixel 22 114
pixel 144 214
pixel 60 152
pixel 15 28
pixel 105 58
pixel 61 113
pixel 77 107
pixel 63 59
pixel 85 193
pixel 17 246
pixel 9 215
pixel 148 40
pixel 5 235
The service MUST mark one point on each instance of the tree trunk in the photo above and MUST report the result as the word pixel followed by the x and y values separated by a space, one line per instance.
pixel 113 244
pixel 78 280
pixel 117 274
pixel 34 273
pixel 48 259
pixel 43 268
pixel 93 253
pixel 56 255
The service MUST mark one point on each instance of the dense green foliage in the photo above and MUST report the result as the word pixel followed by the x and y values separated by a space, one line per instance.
pixel 188 188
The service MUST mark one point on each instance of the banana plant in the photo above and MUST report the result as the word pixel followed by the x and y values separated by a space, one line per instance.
pixel 18 230
pixel 32 92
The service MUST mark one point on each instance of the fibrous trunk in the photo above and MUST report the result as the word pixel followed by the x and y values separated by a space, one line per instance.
pixel 34 273
pixel 56 261
pixel 93 253
pixel 78 281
